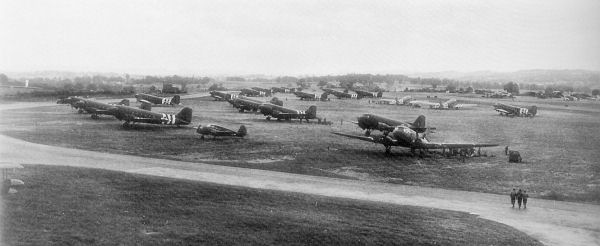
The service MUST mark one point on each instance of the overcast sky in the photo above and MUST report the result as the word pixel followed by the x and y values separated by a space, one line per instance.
pixel 298 37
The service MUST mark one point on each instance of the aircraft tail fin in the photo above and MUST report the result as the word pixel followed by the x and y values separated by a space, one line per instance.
pixel 124 102
pixel 242 131
pixel 324 96
pixel 311 113
pixel 146 105
pixel 176 99
pixel 419 122
pixel 185 115
pixel 533 110
pixel 276 101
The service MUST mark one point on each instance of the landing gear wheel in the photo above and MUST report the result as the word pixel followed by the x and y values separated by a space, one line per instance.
pixel 388 150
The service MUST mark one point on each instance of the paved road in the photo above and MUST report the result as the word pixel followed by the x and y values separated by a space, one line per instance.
pixel 553 223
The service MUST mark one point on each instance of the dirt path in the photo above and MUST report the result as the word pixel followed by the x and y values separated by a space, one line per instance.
pixel 553 223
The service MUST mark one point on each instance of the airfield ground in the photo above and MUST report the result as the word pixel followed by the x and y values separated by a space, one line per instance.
pixel 72 206
pixel 559 146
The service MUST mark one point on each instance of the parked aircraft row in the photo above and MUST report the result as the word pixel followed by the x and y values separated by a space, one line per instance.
pixel 394 133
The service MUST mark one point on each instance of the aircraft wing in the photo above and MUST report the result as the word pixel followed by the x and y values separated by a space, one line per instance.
pixel 380 139
pixel 364 138
pixel 502 111
pixel 220 129
pixel 423 103
pixel 454 145
pixel 464 105
pixel 146 101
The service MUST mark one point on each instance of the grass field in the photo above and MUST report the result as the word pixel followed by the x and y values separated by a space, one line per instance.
pixel 74 206
pixel 559 146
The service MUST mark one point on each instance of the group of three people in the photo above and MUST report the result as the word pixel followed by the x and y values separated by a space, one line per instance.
pixel 520 197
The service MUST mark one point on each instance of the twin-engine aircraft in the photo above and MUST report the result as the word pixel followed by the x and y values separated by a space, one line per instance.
pixel 310 97
pixel 133 115
pixel 510 110
pixel 252 93
pixel 155 100
pixel 279 112
pixel 219 131
pixel 248 104
pixel 92 107
pixel 282 90
pixel 367 94
pixel 404 136
pixel 222 96
pixel 340 94
pixel 374 122
pixel 268 92
pixel 449 104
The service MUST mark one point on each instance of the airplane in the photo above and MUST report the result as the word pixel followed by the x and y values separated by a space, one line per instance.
pixel 310 97
pixel 252 93
pixel 404 100
pixel 340 94
pixel 510 110
pixel 449 104
pixel 133 115
pixel 375 122
pixel 222 96
pixel 363 94
pixel 248 104
pixel 69 100
pixel 280 112
pixel 404 136
pixel 282 90
pixel 155 100
pixel 92 107
pixel 219 131
pixel 268 92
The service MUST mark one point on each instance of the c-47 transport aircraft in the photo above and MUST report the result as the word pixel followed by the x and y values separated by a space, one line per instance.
pixel 95 108
pixel 310 97
pixel 248 104
pixel 374 122
pixel 279 112
pixel 155 100
pixel 219 131
pixel 340 94
pixel 134 115
pixel 510 110
pixel 363 94
pixel 222 96
pixel 404 136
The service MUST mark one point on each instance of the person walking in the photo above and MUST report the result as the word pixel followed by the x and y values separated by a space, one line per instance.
pixel 525 196
pixel 519 197
pixel 513 197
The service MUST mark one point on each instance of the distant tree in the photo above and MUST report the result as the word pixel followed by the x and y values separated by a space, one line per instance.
pixel 595 92
pixel 92 87
pixel 451 88
pixel 216 87
pixel 302 83
pixel 3 78
pixel 322 83
pixel 512 87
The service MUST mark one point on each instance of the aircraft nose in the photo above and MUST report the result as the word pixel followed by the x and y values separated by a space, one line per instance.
pixel 264 108
pixel 363 121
